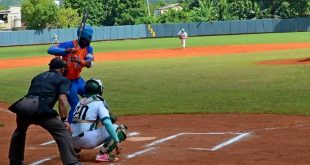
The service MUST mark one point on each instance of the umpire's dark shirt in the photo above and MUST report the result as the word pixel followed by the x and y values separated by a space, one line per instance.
pixel 49 85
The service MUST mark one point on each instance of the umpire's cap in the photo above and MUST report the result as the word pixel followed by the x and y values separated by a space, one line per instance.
pixel 57 63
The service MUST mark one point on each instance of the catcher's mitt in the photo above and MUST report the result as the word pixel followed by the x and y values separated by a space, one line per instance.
pixel 122 132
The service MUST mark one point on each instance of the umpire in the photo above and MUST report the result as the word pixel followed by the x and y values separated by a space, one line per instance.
pixel 37 108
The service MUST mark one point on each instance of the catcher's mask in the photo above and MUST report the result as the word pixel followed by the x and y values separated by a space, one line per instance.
pixel 93 87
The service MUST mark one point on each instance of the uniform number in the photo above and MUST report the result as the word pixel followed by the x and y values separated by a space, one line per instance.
pixel 80 112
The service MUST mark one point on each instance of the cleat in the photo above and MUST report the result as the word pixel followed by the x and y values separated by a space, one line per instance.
pixel 105 158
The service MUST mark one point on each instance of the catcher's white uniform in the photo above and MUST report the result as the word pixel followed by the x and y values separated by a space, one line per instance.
pixel 87 130
pixel 183 36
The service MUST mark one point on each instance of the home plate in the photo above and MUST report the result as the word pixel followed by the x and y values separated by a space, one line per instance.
pixel 135 139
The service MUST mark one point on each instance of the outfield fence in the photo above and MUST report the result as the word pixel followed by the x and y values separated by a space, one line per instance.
pixel 30 37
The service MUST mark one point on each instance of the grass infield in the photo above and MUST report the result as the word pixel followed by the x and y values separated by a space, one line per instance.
pixel 204 84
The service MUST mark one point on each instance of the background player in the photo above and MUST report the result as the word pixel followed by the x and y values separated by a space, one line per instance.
pixel 77 54
pixel 92 124
pixel 183 36
pixel 55 39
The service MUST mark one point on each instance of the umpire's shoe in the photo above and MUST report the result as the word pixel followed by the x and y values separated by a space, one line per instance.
pixel 16 162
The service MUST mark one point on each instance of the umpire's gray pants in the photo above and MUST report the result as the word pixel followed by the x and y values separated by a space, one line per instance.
pixel 54 126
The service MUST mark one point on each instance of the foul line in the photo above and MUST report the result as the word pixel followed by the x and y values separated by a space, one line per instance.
pixel 163 140
pixel 140 152
pixel 187 133
pixel 225 143
pixel 232 140
pixel 43 160
pixel 47 143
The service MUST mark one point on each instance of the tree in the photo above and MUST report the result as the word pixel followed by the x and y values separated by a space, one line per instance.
pixel 300 7
pixel 222 8
pixel 123 12
pixel 68 18
pixel 173 16
pixel 283 8
pixel 244 9
pixel 2 7
pixel 39 14
pixel 205 11
pixel 145 20
pixel 94 7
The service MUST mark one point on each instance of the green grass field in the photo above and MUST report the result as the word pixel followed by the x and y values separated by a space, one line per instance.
pixel 205 84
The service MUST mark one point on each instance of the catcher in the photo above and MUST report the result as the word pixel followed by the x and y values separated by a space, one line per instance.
pixel 93 125
pixel 183 36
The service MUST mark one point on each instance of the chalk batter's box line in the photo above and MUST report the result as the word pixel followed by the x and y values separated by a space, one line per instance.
pixel 150 146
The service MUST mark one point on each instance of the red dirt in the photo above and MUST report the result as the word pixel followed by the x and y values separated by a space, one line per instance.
pixel 160 53
pixel 273 139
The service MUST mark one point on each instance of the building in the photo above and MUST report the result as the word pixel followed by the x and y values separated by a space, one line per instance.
pixel 163 9
pixel 11 18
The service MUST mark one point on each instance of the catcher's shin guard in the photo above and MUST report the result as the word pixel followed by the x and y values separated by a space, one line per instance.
pixel 109 145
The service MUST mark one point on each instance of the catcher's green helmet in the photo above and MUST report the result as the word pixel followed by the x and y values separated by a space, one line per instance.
pixel 93 86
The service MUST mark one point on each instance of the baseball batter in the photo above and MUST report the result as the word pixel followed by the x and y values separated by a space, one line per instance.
pixel 77 54
pixel 183 36
pixel 92 125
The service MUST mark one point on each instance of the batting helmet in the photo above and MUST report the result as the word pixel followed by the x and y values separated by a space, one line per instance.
pixel 93 86
pixel 87 32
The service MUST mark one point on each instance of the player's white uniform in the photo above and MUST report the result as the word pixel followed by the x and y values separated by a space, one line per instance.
pixel 55 39
pixel 87 131
pixel 183 36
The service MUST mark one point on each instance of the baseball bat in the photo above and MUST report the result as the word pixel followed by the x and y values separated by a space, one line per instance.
pixel 82 25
